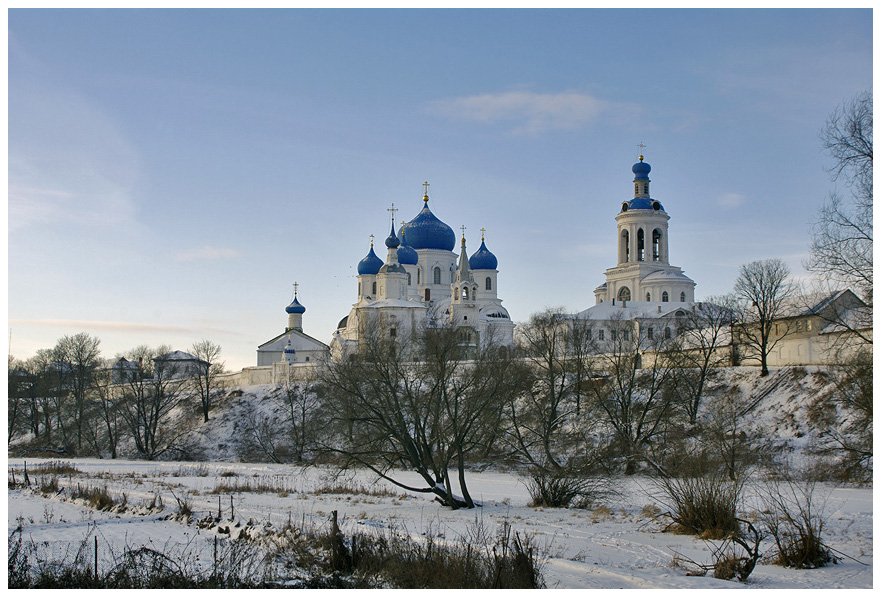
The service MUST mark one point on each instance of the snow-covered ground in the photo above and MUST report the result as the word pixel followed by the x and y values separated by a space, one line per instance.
pixel 615 546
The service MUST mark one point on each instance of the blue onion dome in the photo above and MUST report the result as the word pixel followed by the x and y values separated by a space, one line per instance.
pixel 426 231
pixel 642 203
pixel 295 307
pixel 406 254
pixel 392 241
pixel 483 259
pixel 369 266
pixel 641 170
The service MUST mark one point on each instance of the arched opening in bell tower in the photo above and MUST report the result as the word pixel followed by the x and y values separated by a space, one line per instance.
pixel 656 245
pixel 640 245
pixel 625 246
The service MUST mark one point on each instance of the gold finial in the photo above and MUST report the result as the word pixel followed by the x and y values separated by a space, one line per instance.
pixel 371 241
pixel 641 146
pixel 425 186
pixel 482 234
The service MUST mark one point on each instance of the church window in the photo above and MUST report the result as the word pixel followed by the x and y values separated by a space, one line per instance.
pixel 656 245
pixel 640 245
pixel 419 276
pixel 651 333
pixel 464 293
pixel 374 288
pixel 359 288
pixel 427 294
pixel 624 294
pixel 665 298
pixel 627 335
pixel 465 318
pixel 667 334
pixel 409 279
pixel 602 334
pixel 648 297
pixel 625 245
pixel 636 188
pixel 489 283
pixel 681 297
pixel 307 359
pixel 393 332
pixel 589 334
pixel 614 335
pixel 437 275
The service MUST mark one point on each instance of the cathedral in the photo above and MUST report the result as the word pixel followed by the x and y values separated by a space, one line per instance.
pixel 423 283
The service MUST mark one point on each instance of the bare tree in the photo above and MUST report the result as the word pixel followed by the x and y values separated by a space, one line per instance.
pixel 408 403
pixel 206 382
pixel 302 409
pixel 106 406
pixel 548 423
pixel 763 290
pixel 841 250
pixel 79 354
pixel 636 397
pixel 151 392
pixel 698 349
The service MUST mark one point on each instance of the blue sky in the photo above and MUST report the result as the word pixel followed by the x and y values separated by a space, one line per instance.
pixel 172 173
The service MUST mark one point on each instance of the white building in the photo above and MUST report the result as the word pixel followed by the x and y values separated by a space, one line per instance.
pixel 422 282
pixel 292 346
pixel 643 284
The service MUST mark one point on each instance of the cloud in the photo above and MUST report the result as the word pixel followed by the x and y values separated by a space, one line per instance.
pixel 206 253
pixel 116 326
pixel 730 200
pixel 528 111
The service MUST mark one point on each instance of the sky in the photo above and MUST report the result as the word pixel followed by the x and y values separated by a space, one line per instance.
pixel 172 173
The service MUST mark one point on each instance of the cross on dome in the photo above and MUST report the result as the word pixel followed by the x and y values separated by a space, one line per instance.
pixel 392 211
pixel 642 147
pixel 482 234
pixel 463 231
pixel 296 286
pixel 371 240
pixel 425 186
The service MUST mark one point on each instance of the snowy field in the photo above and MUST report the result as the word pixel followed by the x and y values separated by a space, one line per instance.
pixel 618 545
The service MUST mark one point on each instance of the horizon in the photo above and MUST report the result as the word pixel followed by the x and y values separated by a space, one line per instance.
pixel 172 173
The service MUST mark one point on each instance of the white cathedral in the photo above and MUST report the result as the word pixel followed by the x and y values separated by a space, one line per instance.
pixel 422 282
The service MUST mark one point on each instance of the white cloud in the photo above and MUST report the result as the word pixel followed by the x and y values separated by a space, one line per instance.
pixel 207 253
pixel 528 111
pixel 730 200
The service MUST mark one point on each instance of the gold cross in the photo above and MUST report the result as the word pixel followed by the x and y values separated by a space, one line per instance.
pixel 296 286
pixel 641 146
pixel 482 234
pixel 392 211
pixel 371 240
pixel 463 231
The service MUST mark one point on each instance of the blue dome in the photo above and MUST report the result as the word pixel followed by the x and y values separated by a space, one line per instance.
pixel 483 259
pixel 641 170
pixel 406 254
pixel 295 307
pixel 369 266
pixel 642 203
pixel 392 241
pixel 425 231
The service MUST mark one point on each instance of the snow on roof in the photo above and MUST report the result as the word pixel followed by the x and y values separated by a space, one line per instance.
pixel 632 310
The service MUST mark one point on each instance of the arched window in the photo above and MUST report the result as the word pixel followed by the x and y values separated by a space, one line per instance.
pixel 667 334
pixel 636 188
pixel 640 245
pixel 464 293
pixel 427 294
pixel 359 288
pixel 409 279
pixel 437 275
pixel 489 283
pixel 374 289
pixel 419 276
pixel 665 298
pixel 648 297
pixel 656 245
pixel 624 294
pixel 681 297
pixel 625 246
pixel 651 333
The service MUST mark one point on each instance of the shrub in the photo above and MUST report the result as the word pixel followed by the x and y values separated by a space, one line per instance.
pixel 564 489
pixel 97 497
pixel 702 505
pixel 796 524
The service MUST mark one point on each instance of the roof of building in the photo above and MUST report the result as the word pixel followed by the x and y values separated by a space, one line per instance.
pixel 633 310
pixel 299 341
pixel 369 266
pixel 406 254
pixel 483 258
pixel 295 307
pixel 426 231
